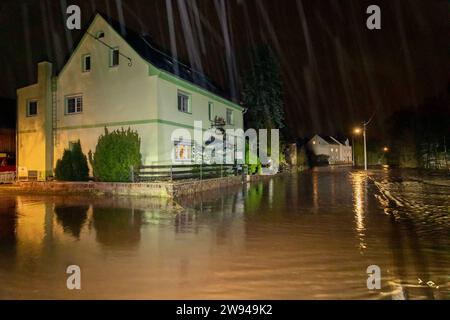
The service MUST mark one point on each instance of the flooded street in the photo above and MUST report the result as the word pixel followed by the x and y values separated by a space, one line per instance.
pixel 305 236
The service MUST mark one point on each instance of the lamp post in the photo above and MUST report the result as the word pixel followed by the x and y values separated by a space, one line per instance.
pixel 365 145
pixel 355 131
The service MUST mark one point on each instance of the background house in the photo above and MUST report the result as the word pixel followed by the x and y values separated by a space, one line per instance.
pixel 331 148
pixel 116 78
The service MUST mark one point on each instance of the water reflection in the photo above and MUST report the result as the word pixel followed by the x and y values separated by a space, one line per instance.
pixel 359 184
pixel 8 220
pixel 71 218
pixel 298 236
pixel 117 227
pixel 8 225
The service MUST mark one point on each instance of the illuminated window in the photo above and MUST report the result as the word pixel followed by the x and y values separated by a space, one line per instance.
pixel 183 150
pixel 314 142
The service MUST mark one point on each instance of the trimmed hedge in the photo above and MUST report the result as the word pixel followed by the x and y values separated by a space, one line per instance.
pixel 73 165
pixel 116 152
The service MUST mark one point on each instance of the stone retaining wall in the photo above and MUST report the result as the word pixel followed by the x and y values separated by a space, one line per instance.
pixel 151 189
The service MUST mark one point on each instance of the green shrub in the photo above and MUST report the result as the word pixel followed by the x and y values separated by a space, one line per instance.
pixel 73 165
pixel 252 168
pixel 114 154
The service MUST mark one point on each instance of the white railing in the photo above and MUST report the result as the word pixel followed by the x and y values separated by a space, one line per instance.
pixel 7 177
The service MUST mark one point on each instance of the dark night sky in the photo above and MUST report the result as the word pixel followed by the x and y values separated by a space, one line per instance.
pixel 335 71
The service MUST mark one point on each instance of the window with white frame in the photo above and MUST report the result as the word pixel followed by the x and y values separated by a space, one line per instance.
pixel 184 104
pixel 86 62
pixel 114 57
pixel 32 108
pixel 211 111
pixel 182 150
pixel 74 104
pixel 230 116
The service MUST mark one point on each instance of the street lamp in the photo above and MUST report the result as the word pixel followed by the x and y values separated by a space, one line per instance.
pixel 357 130
pixel 386 149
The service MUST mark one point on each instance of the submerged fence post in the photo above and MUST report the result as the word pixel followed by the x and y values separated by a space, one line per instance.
pixel 132 173
pixel 201 171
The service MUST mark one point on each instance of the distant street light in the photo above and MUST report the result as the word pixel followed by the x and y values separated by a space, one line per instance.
pixel 357 131
pixel 386 149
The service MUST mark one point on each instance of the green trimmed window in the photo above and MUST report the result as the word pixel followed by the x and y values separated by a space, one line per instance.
pixel 184 102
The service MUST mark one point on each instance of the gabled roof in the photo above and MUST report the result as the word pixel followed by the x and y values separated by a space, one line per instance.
pixel 335 140
pixel 159 58
pixel 148 50
pixel 330 140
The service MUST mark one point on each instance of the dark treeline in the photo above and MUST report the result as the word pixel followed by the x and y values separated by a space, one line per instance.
pixel 419 136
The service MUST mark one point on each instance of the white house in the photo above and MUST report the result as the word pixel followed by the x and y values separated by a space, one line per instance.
pixel 115 78
pixel 337 152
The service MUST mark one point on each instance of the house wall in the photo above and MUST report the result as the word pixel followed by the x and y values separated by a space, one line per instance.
pixel 334 153
pixel 338 153
pixel 320 147
pixel 173 119
pixel 138 96
pixel 34 134
pixel 113 97
pixel 346 154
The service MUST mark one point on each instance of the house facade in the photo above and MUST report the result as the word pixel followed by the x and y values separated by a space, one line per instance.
pixel 115 79
pixel 337 152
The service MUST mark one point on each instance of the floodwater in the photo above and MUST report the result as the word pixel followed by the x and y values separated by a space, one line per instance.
pixel 306 236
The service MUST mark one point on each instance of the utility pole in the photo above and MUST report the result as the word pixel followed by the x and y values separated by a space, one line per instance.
pixel 365 124
pixel 365 145
pixel 353 150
